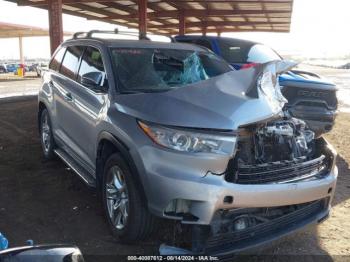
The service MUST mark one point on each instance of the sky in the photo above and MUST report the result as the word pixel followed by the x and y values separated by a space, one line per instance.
pixel 319 28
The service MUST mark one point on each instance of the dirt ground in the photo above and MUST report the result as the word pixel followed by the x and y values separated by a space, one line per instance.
pixel 11 85
pixel 46 202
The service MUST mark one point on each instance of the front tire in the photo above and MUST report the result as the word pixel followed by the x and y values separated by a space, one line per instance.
pixel 46 136
pixel 126 213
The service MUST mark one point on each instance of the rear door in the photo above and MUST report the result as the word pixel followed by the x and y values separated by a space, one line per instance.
pixel 54 80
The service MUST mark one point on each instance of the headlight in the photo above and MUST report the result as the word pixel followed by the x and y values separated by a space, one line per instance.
pixel 187 141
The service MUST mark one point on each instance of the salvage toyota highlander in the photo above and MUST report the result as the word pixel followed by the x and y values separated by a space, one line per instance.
pixel 169 130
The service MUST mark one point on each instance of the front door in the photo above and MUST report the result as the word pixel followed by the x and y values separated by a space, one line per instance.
pixel 64 87
pixel 89 99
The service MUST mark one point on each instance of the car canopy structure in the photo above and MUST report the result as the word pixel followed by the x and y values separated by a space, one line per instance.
pixel 172 17
pixel 8 30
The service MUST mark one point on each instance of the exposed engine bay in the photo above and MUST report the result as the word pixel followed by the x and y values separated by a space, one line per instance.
pixel 275 141
pixel 278 151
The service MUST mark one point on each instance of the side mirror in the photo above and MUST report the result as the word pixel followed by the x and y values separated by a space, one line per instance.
pixel 93 79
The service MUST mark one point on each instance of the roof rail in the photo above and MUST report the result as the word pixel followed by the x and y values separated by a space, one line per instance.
pixel 77 34
pixel 89 34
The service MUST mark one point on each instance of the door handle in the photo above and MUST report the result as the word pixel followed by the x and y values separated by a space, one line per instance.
pixel 68 97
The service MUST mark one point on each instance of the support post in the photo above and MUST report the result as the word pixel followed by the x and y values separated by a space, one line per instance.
pixel 142 10
pixel 21 56
pixel 55 24
pixel 204 29
pixel 182 23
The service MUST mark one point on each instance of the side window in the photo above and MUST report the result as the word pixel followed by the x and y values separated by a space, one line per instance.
pixel 70 61
pixel 57 59
pixel 92 72
pixel 204 43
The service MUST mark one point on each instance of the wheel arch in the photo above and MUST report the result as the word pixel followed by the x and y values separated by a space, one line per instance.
pixel 107 144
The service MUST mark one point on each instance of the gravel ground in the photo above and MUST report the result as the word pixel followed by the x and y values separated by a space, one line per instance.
pixel 46 202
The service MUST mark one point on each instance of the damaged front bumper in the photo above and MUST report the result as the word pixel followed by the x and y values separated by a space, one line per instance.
pixel 268 224
pixel 230 238
pixel 214 193
pixel 211 203
pixel 195 199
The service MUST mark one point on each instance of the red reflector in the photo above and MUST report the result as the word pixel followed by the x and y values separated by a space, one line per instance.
pixel 249 65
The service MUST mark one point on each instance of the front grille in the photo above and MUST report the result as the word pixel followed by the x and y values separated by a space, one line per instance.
pixel 311 104
pixel 302 214
pixel 295 95
pixel 280 171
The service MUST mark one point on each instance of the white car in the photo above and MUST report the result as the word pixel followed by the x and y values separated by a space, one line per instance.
pixel 40 68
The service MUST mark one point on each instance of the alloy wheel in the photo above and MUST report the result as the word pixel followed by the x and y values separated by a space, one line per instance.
pixel 46 133
pixel 117 197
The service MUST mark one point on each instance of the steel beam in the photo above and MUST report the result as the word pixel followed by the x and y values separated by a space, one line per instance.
pixel 171 2
pixel 46 2
pixel 224 30
pixel 203 24
pixel 231 1
pixel 201 13
pixel 182 23
pixel 55 24
pixel 142 13
pixel 221 24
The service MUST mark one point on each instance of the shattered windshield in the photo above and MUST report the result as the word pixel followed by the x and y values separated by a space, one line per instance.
pixel 157 70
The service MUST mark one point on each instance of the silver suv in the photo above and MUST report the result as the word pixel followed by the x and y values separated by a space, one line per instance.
pixel 170 130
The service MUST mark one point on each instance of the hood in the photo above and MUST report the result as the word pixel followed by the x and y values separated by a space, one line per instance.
pixel 224 102
pixel 298 78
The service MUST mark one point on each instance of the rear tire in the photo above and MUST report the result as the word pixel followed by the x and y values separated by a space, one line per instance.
pixel 127 215
pixel 46 137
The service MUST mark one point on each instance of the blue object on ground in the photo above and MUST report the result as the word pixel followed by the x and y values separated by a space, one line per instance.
pixel 4 243
pixel 30 242
pixel 166 250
